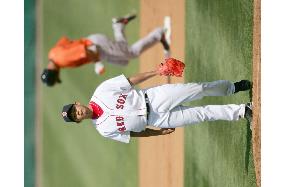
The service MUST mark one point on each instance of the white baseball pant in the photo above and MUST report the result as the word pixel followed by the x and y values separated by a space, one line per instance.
pixel 118 51
pixel 166 110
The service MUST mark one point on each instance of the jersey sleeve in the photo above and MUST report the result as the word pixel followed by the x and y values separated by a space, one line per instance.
pixel 63 41
pixel 121 137
pixel 119 83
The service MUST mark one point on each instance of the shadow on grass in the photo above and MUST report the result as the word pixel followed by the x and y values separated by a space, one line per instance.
pixel 249 136
pixel 248 147
pixel 250 94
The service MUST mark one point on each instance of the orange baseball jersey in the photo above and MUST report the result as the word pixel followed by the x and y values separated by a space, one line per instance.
pixel 70 53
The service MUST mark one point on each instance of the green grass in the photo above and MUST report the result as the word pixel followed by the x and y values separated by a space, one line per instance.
pixel 219 46
pixel 76 155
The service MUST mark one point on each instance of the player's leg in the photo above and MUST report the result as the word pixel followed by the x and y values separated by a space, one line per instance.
pixel 103 44
pixel 183 115
pixel 118 31
pixel 148 41
pixel 125 19
pixel 168 96
pixel 118 25
pixel 166 37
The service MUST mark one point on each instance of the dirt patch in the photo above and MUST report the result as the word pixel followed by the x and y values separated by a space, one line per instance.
pixel 256 131
pixel 161 159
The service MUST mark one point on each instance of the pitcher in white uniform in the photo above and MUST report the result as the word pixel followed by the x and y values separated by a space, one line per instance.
pixel 119 111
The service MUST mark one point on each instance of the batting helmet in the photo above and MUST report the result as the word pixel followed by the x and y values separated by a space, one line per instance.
pixel 50 77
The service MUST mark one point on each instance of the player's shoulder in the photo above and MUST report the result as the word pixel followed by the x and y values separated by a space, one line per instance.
pixel 101 87
pixel 114 84
pixel 114 80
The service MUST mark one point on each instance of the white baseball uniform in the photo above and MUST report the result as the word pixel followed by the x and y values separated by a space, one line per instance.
pixel 118 51
pixel 125 107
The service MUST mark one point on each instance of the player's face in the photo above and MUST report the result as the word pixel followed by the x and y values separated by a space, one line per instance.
pixel 79 112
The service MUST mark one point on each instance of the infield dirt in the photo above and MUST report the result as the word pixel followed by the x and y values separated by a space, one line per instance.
pixel 256 131
pixel 161 158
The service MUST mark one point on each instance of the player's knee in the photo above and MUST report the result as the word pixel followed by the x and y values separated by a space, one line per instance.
pixel 134 53
pixel 158 32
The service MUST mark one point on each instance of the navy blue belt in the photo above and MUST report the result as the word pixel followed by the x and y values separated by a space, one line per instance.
pixel 147 104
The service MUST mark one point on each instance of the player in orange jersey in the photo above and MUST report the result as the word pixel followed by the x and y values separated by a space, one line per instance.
pixel 97 47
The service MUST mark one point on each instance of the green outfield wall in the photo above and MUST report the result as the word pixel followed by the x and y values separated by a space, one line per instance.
pixel 29 93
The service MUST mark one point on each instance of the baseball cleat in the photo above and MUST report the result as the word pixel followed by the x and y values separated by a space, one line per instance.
pixel 124 19
pixel 166 37
pixel 242 85
pixel 248 113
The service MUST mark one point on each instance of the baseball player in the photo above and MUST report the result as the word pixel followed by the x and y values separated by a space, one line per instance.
pixel 119 111
pixel 97 47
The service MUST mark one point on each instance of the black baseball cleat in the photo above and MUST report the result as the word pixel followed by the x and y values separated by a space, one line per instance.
pixel 242 85
pixel 248 113
pixel 165 43
pixel 124 19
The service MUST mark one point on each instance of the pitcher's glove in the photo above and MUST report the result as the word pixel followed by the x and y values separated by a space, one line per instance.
pixel 171 67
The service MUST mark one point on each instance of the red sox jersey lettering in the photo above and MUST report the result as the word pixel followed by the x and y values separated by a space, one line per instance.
pixel 119 119
pixel 120 123
pixel 120 101
pixel 124 109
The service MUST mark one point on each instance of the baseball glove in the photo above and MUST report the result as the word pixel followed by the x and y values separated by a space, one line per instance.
pixel 171 67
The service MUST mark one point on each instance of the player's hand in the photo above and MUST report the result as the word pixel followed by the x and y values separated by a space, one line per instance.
pixel 167 131
pixel 99 68
pixel 59 80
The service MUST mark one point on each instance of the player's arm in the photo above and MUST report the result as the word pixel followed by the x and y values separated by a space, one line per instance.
pixel 137 79
pixel 52 66
pixel 58 77
pixel 152 132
